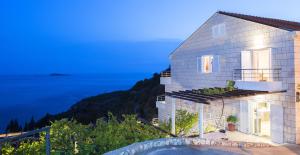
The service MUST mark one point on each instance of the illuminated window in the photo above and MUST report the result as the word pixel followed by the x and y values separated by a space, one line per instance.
pixel 207 62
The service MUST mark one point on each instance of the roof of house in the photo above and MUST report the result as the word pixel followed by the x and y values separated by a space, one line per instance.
pixel 278 23
pixel 198 96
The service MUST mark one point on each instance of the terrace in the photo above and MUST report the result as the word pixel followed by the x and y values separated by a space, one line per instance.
pixel 205 97
pixel 165 77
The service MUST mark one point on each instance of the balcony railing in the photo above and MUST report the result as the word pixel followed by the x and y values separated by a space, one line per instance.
pixel 165 74
pixel 161 98
pixel 257 74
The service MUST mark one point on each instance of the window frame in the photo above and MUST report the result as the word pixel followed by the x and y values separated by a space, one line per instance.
pixel 203 70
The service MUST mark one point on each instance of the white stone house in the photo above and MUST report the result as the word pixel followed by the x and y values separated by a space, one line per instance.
pixel 260 54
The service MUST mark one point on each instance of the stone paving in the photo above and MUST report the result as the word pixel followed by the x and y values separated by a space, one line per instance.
pixel 238 136
pixel 289 149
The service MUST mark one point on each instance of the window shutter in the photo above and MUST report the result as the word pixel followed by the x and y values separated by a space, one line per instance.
pixel 222 29
pixel 216 63
pixel 215 30
pixel 199 64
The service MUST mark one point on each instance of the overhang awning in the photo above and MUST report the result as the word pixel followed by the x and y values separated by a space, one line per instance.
pixel 198 95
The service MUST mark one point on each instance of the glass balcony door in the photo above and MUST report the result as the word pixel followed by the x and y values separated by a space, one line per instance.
pixel 262 62
pixel 256 65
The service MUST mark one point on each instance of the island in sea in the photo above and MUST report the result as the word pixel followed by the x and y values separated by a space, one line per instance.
pixel 58 74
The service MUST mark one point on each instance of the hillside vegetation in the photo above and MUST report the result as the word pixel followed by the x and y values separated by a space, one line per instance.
pixel 139 100
pixel 70 137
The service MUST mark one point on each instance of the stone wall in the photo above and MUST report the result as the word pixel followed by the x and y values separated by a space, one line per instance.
pixel 147 145
pixel 212 112
pixel 297 85
pixel 240 35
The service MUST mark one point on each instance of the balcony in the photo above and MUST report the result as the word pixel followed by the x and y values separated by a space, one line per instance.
pixel 258 79
pixel 160 101
pixel 165 77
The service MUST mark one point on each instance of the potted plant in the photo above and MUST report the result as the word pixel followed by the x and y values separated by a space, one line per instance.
pixel 231 120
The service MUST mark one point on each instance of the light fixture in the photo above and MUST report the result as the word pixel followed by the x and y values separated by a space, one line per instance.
pixel 258 41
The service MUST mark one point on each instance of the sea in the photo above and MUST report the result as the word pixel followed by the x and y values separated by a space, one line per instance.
pixel 26 96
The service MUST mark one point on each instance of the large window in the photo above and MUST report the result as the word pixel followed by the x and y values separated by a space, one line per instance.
pixel 207 63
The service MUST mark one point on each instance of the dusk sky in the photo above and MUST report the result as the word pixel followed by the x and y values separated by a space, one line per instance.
pixel 97 36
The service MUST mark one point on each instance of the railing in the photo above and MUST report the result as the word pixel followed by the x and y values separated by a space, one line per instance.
pixel 165 74
pixel 161 98
pixel 257 74
pixel 28 135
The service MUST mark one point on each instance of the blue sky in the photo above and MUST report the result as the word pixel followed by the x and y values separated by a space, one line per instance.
pixel 96 36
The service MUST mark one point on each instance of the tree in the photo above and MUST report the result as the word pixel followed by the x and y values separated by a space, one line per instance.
pixel 13 126
pixel 29 126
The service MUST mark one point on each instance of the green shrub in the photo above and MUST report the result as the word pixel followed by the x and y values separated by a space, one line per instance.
pixel 165 125
pixel 64 134
pixel 7 149
pixel 70 137
pixel 232 119
pixel 230 85
pixel 210 128
pixel 185 121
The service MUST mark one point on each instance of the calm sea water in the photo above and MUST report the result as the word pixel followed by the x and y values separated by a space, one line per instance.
pixel 22 97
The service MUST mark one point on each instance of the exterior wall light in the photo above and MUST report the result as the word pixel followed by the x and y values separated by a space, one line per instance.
pixel 258 41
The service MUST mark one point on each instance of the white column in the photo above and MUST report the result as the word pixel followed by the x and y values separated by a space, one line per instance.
pixel 200 119
pixel 173 115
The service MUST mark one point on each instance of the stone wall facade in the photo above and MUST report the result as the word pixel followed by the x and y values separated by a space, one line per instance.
pixel 297 85
pixel 240 35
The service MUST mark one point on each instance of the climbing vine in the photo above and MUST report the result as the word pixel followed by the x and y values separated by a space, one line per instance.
pixel 218 91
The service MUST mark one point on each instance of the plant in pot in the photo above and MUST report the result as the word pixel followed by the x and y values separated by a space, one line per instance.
pixel 231 120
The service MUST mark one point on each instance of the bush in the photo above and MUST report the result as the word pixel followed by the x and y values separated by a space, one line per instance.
pixel 232 119
pixel 210 128
pixel 64 134
pixel 230 85
pixel 7 149
pixel 71 137
pixel 184 121
pixel 119 134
